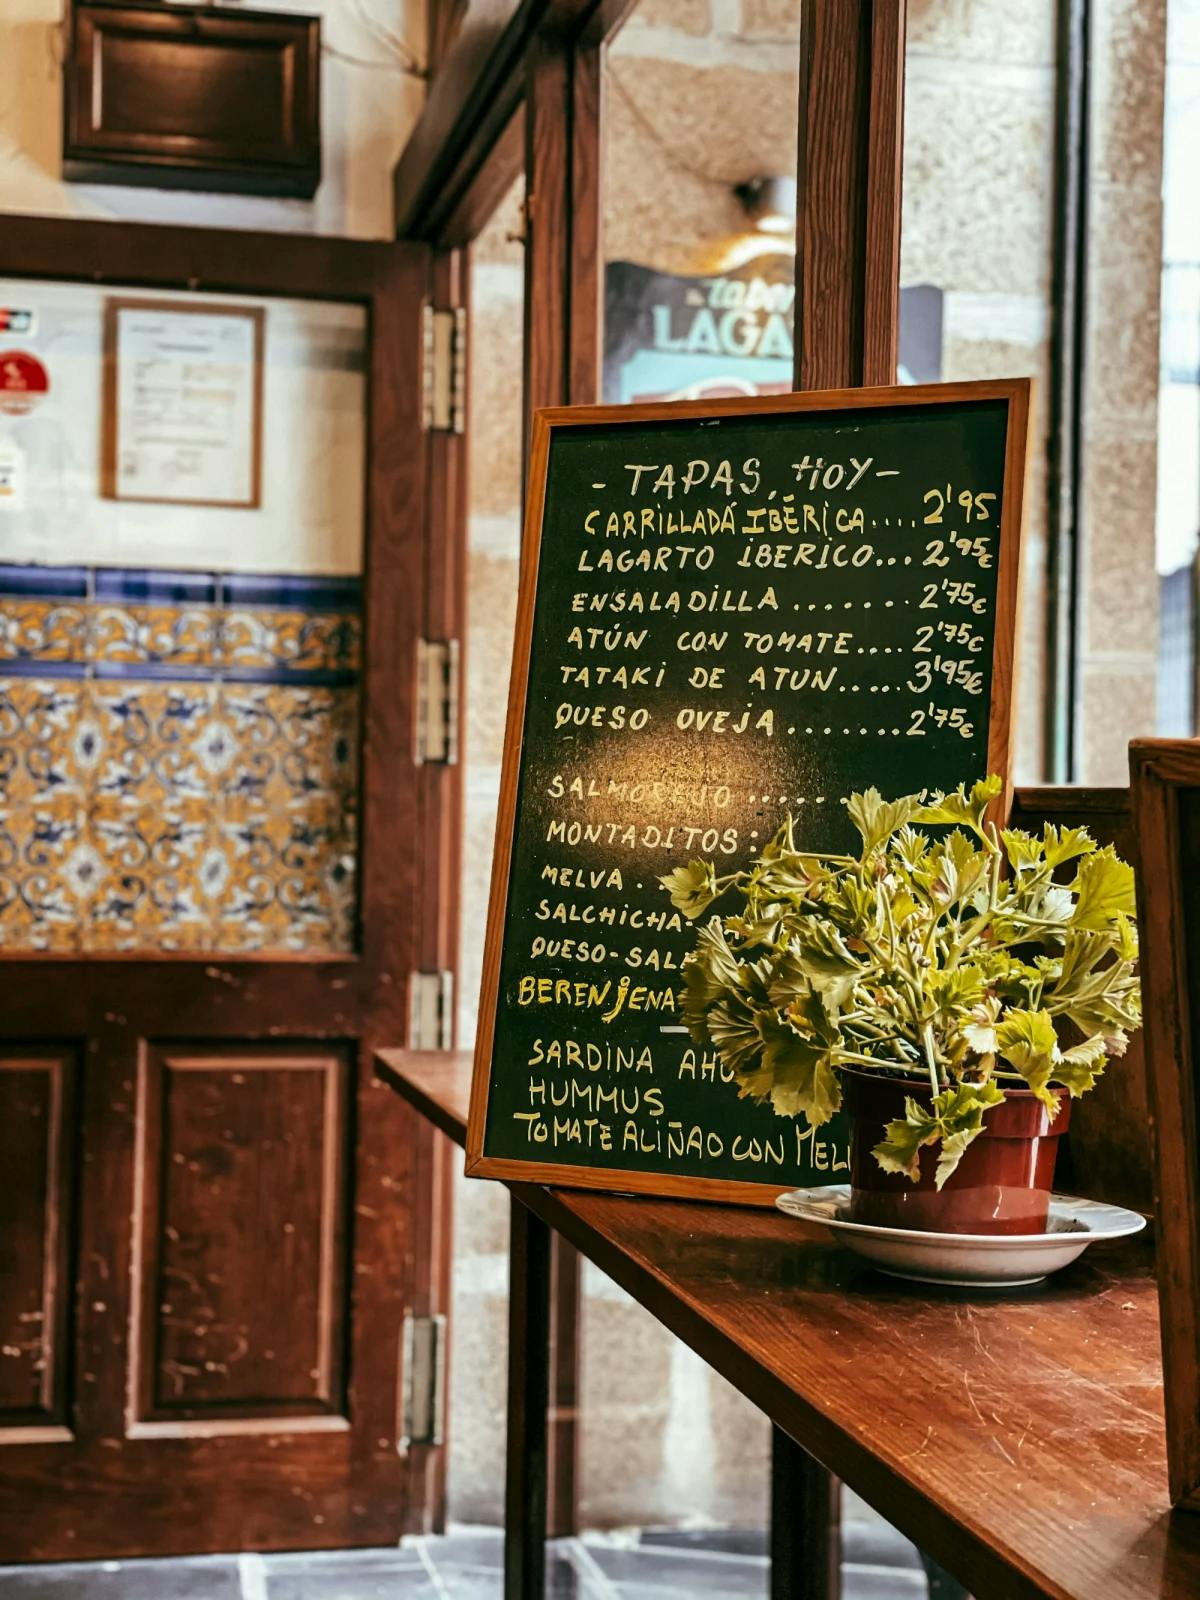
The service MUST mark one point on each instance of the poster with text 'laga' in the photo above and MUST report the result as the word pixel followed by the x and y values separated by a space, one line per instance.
pixel 731 612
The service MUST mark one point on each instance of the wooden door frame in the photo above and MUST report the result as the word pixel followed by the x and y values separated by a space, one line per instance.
pixel 407 903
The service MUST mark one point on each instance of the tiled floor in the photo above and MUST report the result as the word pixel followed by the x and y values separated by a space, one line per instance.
pixel 465 1565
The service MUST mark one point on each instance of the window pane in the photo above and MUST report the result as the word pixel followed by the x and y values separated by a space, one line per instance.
pixel 976 246
pixel 479 1323
pixel 1179 392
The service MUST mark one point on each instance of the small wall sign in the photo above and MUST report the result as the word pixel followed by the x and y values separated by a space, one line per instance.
pixel 23 382
pixel 22 321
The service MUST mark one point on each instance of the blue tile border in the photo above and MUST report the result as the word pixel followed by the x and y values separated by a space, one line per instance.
pixel 284 592
pixel 108 671
pixel 23 667
pixel 215 601
pixel 316 678
pixel 145 585
pixel 43 583
pixel 162 586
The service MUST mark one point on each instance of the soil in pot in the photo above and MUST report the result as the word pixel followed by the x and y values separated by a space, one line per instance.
pixel 1001 1185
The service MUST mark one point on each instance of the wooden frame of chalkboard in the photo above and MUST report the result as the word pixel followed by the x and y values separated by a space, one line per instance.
pixel 1165 790
pixel 887 405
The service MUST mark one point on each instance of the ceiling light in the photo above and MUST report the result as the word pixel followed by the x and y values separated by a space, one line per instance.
pixel 770 203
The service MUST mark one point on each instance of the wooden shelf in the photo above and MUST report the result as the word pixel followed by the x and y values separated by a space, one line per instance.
pixel 1019 1440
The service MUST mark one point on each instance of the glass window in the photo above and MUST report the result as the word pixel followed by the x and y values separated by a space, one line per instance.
pixel 495 435
pixel 976 247
pixel 1178 522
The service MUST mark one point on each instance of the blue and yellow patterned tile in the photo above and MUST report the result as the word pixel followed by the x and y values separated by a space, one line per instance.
pixel 47 869
pixel 282 644
pixel 152 641
pixel 42 633
pixel 153 808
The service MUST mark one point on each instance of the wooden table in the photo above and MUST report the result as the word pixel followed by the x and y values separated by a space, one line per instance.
pixel 1018 1440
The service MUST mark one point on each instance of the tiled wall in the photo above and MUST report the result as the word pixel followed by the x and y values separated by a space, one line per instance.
pixel 178 760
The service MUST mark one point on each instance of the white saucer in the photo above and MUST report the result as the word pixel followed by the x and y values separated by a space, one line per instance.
pixel 970 1260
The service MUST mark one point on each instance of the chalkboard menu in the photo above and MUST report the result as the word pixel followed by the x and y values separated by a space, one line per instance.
pixel 730 611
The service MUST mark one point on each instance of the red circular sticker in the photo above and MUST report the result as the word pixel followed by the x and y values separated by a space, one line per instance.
pixel 23 381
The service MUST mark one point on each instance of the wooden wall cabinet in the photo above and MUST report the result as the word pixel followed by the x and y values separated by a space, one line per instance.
pixel 191 97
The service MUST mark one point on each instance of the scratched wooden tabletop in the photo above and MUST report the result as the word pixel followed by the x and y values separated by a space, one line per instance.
pixel 1017 1439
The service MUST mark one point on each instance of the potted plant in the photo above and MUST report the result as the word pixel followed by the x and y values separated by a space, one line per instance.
pixel 951 986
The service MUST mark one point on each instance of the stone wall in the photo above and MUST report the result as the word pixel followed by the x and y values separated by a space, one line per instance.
pixel 1119 583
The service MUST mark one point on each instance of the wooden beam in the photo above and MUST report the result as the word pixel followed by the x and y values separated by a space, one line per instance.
pixel 848 192
pixel 470 102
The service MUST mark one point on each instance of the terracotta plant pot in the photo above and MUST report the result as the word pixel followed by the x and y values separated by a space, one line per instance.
pixel 1001 1185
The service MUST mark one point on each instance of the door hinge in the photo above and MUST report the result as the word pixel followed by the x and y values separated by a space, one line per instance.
pixel 424 1380
pixel 445 369
pixel 431 1010
pixel 437 701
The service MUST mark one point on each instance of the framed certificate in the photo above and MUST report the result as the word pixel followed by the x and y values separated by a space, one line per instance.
pixel 183 385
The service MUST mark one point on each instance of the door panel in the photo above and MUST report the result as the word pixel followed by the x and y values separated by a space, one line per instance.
pixel 37 1133
pixel 242 1237
pixel 223 1319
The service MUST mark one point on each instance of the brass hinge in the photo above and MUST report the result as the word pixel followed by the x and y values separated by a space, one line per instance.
pixel 430 1010
pixel 445 369
pixel 424 1380
pixel 437 701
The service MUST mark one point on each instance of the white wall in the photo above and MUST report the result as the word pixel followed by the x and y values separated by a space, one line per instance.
pixel 371 96
pixel 313 448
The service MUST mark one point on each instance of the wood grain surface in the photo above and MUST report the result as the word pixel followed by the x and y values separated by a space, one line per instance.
pixel 1018 1440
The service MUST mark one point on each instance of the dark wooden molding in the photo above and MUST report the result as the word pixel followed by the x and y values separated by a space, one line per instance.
pixel 1107 1153
pixel 1068 346
pixel 212 259
pixel 192 98
pixel 848 192
pixel 472 99
pixel 1165 784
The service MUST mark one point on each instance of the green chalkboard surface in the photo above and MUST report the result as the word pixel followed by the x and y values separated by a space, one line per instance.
pixel 730 611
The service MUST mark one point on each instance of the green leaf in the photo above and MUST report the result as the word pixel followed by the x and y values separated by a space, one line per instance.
pixel 957 990
pixel 961 807
pixel 980 1031
pixel 1028 1042
pixel 825 961
pixel 732 1027
pixel 960 867
pixel 800 1072
pixel 899 1151
pixel 1078 1068
pixel 1064 844
pixel 1081 951
pixel 692 888
pixel 711 969
pixel 878 819
pixel 912 847
pixel 1104 890
pixel 1022 849
pixel 955 1118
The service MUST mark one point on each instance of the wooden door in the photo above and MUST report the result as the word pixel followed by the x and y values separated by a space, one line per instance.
pixel 212 1220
